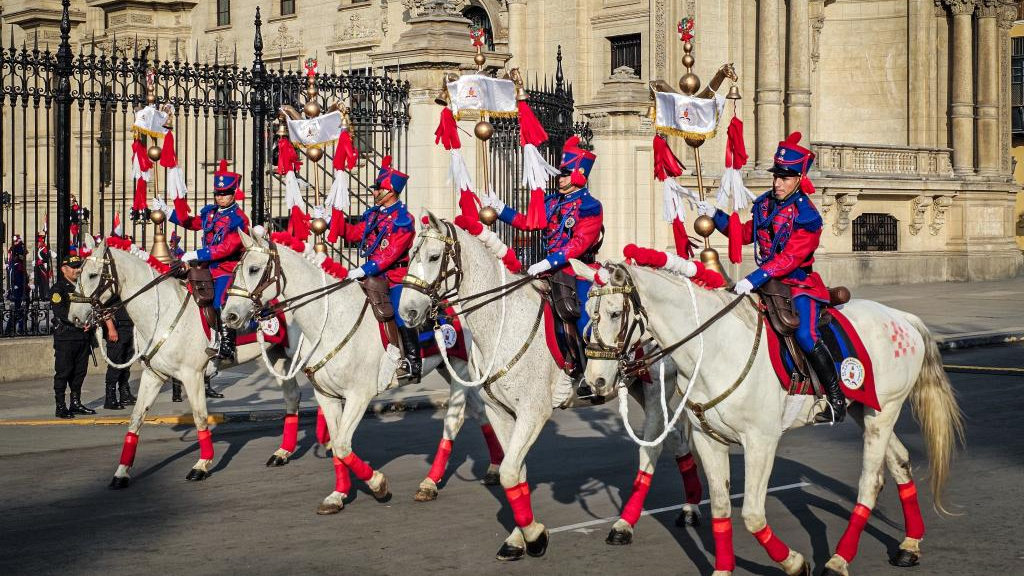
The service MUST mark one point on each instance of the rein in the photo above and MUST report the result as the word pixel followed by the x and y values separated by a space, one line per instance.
pixel 109 281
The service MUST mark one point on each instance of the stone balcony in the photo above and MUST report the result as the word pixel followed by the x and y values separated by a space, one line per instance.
pixel 891 162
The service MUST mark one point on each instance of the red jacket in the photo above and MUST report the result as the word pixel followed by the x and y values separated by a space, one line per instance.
pixel 573 225
pixel 385 235
pixel 222 246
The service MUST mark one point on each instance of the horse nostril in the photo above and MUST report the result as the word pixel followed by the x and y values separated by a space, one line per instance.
pixel 231 317
pixel 599 383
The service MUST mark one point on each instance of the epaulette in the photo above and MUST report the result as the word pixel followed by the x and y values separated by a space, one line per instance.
pixel 807 216
pixel 402 217
pixel 589 206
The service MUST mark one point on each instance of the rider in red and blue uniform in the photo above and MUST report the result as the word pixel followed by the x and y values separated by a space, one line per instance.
pixel 786 230
pixel 384 235
pixel 220 224
pixel 572 229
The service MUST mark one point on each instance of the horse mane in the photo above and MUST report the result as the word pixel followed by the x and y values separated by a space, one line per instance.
pixel 328 265
pixel 127 245
pixel 745 314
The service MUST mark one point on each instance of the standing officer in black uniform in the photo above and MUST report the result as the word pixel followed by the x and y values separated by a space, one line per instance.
pixel 120 349
pixel 71 344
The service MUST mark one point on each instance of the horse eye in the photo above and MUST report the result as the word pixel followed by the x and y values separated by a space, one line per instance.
pixel 93 276
pixel 615 315
pixel 435 257
pixel 253 269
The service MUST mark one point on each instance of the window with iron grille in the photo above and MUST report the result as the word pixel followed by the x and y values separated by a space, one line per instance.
pixel 875 233
pixel 224 130
pixel 1017 86
pixel 478 16
pixel 223 12
pixel 626 52
pixel 287 7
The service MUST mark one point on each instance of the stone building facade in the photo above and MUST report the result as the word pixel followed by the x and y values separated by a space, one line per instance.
pixel 904 101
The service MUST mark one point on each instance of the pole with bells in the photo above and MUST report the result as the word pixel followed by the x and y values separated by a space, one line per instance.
pixel 689 84
pixel 483 131
pixel 160 250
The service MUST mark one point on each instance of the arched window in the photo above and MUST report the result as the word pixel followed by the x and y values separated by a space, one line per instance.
pixel 478 16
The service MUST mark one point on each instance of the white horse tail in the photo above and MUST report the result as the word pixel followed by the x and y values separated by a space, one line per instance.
pixel 936 409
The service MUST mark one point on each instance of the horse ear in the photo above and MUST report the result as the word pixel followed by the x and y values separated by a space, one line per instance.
pixel 581 269
pixel 90 242
pixel 247 241
pixel 618 277
pixel 431 221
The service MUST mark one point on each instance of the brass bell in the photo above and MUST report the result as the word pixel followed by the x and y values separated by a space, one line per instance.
pixel 314 154
pixel 153 152
pixel 318 226
pixel 488 215
pixel 484 130
pixel 704 225
pixel 709 257
pixel 734 93
pixel 282 129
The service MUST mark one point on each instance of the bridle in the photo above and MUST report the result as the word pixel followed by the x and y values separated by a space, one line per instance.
pixel 447 282
pixel 634 321
pixel 272 276
pixel 109 281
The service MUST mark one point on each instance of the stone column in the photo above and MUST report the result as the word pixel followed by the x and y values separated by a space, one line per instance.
pixel 516 33
pixel 941 54
pixel 798 92
pixel 921 105
pixel 962 83
pixel 987 105
pixel 1005 21
pixel 769 83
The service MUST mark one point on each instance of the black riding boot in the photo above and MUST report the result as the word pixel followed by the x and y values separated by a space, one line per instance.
pixel 175 391
pixel 62 408
pixel 824 367
pixel 76 406
pixel 110 401
pixel 127 399
pixel 411 347
pixel 210 392
pixel 227 343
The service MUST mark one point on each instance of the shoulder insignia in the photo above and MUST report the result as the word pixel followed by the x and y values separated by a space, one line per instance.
pixel 807 215
pixel 55 298
pixel 402 218
pixel 589 206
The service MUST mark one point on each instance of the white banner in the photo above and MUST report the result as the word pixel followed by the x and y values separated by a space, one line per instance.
pixel 315 131
pixel 475 92
pixel 150 121
pixel 688 116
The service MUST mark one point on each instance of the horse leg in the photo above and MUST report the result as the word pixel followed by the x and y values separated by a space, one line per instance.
pixel 330 412
pixel 290 437
pixel 897 459
pixel 687 464
pixel 476 410
pixel 758 457
pixel 525 431
pixel 195 390
pixel 877 434
pixel 149 387
pixel 453 420
pixel 654 422
pixel 714 456
pixel 341 445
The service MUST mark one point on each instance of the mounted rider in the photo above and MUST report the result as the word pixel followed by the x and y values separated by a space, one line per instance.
pixel 384 235
pixel 786 230
pixel 573 229
pixel 212 265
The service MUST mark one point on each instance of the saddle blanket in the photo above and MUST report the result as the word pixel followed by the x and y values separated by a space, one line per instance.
pixel 852 361
pixel 274 330
pixel 452 332
pixel 555 339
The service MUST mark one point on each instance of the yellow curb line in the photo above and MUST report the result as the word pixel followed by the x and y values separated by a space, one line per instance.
pixel 983 368
pixel 215 418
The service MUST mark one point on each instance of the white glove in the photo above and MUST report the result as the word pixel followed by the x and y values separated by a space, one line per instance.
pixel 705 208
pixel 491 199
pixel 189 256
pixel 539 267
pixel 356 273
pixel 743 287
pixel 158 204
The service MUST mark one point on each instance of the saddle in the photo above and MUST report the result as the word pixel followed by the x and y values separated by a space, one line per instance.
pixel 377 294
pixel 201 280
pixel 777 302
pixel 561 297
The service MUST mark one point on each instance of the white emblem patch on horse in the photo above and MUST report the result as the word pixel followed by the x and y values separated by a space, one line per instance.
pixel 852 373
pixel 270 326
pixel 449 335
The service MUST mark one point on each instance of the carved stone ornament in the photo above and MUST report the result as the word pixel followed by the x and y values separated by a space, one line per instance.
pixel 959 7
pixel 817 24
pixel 921 205
pixel 355 30
pixel 940 206
pixel 282 39
pixel 624 73
pixel 660 45
pixel 825 203
pixel 844 204
pixel 126 46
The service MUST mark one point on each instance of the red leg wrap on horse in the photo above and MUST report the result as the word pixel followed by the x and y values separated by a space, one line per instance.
pixel 519 499
pixel 291 432
pixel 205 445
pixel 493 446
pixel 444 450
pixel 342 482
pixel 641 485
pixel 847 547
pixel 691 481
pixel 776 549
pixel 911 510
pixel 131 442
pixel 721 531
pixel 323 436
pixel 361 469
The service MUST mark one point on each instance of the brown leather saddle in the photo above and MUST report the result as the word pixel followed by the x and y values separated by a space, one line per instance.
pixel 777 303
pixel 560 294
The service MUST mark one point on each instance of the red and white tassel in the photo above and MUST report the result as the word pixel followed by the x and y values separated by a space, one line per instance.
pixel 536 170
pixel 298 222
pixel 118 231
pixel 731 190
pixel 492 242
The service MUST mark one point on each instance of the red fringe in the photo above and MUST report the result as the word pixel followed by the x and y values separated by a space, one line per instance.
pixel 345 152
pixel 447 133
pixel 706 278
pixel 286 239
pixel 168 157
pixel 335 269
pixel 735 148
pixel 735 238
pixel 512 262
pixel 536 216
pixel 666 164
pixel 645 256
pixel 470 225
pixel 469 204
pixel 337 226
pixel 139 201
pixel 298 224
pixel 684 246
pixel 287 157
pixel 530 129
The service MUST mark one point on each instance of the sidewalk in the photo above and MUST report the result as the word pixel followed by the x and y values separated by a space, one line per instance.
pixel 960 315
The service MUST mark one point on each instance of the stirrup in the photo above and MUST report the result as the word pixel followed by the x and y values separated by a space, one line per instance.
pixel 831 410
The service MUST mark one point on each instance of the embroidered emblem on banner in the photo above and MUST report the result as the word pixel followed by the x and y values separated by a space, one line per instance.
pixel 852 372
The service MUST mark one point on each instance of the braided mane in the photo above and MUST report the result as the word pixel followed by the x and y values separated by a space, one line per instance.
pixel 328 265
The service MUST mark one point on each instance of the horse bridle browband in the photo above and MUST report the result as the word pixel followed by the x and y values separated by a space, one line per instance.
pixel 620 349
pixel 451 268
pixel 271 277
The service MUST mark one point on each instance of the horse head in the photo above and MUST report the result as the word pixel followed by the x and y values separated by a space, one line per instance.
pixel 428 261
pixel 95 286
pixel 250 289
pixel 729 71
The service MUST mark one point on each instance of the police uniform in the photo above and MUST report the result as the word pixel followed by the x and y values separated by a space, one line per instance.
pixel 71 346
pixel 785 233
pixel 118 353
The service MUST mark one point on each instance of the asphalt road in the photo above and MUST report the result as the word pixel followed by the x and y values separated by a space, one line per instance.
pixel 57 516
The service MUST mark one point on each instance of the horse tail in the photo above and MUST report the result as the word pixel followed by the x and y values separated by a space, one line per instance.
pixel 937 411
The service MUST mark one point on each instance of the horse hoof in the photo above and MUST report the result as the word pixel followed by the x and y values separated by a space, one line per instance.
pixel 328 509
pixel 425 495
pixel 619 537
pixel 276 461
pixel 509 553
pixel 805 570
pixel 688 518
pixel 119 482
pixel 538 547
pixel 383 492
pixel 905 558
pixel 830 572
pixel 197 475
pixel 491 479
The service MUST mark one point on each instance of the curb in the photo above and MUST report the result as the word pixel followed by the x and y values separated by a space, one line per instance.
pixel 437 402
pixel 979 339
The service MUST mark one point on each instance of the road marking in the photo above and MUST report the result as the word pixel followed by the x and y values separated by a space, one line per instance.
pixel 982 368
pixel 665 509
pixel 214 418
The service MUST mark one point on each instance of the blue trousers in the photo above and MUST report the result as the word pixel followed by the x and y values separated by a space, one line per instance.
pixel 807 333
pixel 395 294
pixel 220 287
pixel 582 291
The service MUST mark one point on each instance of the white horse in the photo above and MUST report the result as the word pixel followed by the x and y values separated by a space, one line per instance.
pixel 753 410
pixel 346 363
pixel 168 328
pixel 522 376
